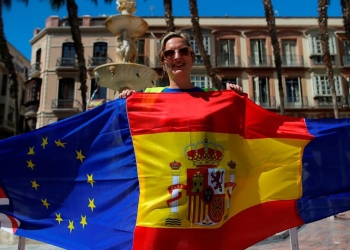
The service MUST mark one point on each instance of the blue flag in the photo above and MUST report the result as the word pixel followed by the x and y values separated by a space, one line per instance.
pixel 63 182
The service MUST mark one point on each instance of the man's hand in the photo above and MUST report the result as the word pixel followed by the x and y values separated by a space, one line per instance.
pixel 126 93
pixel 234 87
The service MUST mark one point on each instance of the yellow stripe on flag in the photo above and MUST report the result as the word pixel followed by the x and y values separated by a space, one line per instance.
pixel 266 170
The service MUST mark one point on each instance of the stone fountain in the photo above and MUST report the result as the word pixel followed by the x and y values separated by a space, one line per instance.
pixel 125 73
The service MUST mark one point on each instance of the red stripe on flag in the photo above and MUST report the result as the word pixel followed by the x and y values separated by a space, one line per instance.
pixel 221 112
pixel 241 231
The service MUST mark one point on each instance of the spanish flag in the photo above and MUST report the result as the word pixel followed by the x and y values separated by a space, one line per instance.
pixel 174 171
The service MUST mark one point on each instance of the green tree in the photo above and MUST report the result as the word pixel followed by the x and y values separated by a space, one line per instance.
pixel 270 19
pixel 197 33
pixel 323 26
pixel 72 9
pixel 7 60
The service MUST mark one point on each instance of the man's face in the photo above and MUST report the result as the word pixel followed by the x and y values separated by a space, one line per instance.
pixel 178 59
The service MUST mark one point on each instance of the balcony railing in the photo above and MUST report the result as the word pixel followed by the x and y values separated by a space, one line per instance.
pixel 266 102
pixel 66 104
pixel 293 61
pixel 225 60
pixel 97 61
pixel 35 68
pixel 260 61
pixel 31 110
pixel 327 101
pixel 297 102
pixel 66 62
pixel 318 60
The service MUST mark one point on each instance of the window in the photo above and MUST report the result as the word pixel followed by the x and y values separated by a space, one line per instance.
pixel 68 54
pixel 66 93
pixel 346 57
pixel 140 46
pixel 226 55
pixel 261 91
pixel 30 92
pixel 100 53
pixel 201 81
pixel 206 43
pixel 258 52
pixel 4 85
pixel 38 56
pixel 289 52
pixel 97 92
pixel 2 111
pixel 293 90
pixel 228 80
pixel 321 86
pixel 10 114
pixel 316 46
pixel 346 48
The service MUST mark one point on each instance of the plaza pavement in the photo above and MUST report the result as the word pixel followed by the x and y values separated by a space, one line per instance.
pixel 326 234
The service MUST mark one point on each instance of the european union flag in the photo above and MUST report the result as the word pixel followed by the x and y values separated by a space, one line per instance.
pixel 64 183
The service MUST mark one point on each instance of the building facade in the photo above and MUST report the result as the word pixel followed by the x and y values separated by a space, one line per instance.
pixel 7 104
pixel 240 50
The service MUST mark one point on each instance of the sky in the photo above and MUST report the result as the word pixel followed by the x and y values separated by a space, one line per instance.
pixel 21 20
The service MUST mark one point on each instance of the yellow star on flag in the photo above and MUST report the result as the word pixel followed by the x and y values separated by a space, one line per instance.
pixel 60 144
pixel 58 218
pixel 45 203
pixel 31 151
pixel 31 164
pixel 35 185
pixel 90 179
pixel 91 204
pixel 71 226
pixel 44 143
pixel 80 155
pixel 83 221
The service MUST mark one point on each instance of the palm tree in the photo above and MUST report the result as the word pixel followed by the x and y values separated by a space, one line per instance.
pixel 72 9
pixel 270 19
pixel 7 60
pixel 345 7
pixel 323 25
pixel 199 41
pixel 168 14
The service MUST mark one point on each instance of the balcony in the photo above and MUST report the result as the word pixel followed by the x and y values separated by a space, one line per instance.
pixel 327 101
pixel 317 61
pixel 66 63
pixel 30 111
pixel 260 61
pixel 35 70
pixel 66 106
pixel 346 61
pixel 293 61
pixel 93 62
pixel 297 102
pixel 266 102
pixel 226 60
pixel 198 61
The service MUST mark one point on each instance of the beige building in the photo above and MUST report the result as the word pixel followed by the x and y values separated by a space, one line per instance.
pixel 240 50
pixel 7 104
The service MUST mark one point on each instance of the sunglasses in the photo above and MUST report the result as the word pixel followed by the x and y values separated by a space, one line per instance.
pixel 170 54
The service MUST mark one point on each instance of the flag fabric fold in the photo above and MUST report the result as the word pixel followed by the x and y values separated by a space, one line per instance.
pixel 173 171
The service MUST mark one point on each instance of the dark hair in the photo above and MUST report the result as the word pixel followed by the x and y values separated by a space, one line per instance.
pixel 167 37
